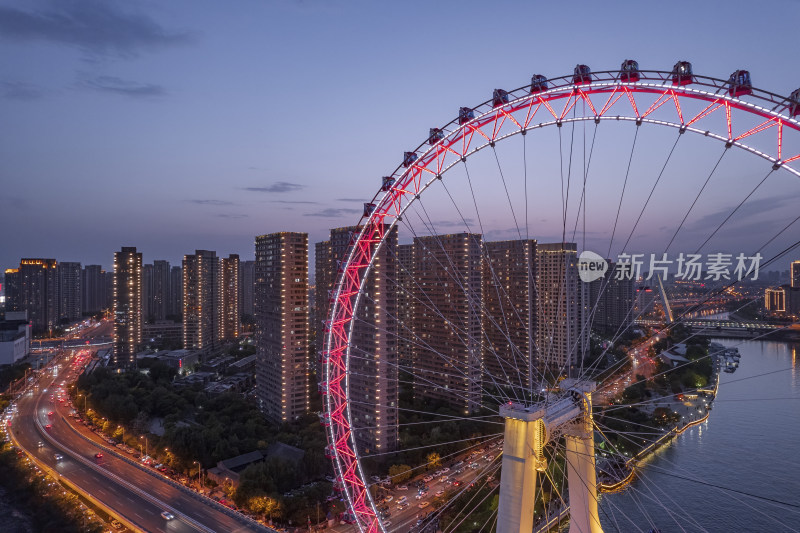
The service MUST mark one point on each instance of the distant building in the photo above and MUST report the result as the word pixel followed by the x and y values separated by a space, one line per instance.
pixel 159 291
pixel 93 289
pixel 163 333
pixel 37 292
pixel 611 300
pixel 448 323
pixel 229 285
pixel 127 296
pixel 561 336
pixel 247 287
pixel 795 275
pixel 775 299
pixel 202 300
pixel 11 289
pixel 373 348
pixel 325 270
pixel 70 291
pixel 509 317
pixel 282 381
pixel 175 293
pixel 15 337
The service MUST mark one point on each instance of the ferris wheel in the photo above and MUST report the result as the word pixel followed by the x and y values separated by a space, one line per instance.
pixel 468 330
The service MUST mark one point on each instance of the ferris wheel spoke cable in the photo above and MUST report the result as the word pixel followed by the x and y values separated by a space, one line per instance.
pixel 726 490
pixel 499 287
pixel 736 209
pixel 696 198
pixel 622 194
pixel 475 302
pixel 652 190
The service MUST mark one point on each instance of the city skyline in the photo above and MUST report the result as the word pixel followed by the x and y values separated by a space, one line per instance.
pixel 170 113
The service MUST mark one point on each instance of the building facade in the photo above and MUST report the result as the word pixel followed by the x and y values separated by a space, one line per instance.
pixel 447 320
pixel 509 313
pixel 70 291
pixel 230 297
pixel 611 302
pixel 281 306
pixel 93 289
pixel 37 292
pixel 202 301
pixel 247 288
pixel 562 337
pixel 127 296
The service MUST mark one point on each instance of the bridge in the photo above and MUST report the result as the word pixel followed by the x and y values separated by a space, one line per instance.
pixel 733 328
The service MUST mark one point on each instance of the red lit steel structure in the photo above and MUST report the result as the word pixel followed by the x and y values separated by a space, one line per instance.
pixel 762 124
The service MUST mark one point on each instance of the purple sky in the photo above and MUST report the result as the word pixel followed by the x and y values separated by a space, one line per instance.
pixel 183 125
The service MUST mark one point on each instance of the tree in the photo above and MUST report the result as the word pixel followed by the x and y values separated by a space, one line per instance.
pixel 399 473
pixel 434 460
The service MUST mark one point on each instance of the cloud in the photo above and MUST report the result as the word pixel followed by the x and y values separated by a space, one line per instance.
pixel 211 202
pixel 294 202
pixel 112 84
pixel 95 26
pixel 19 91
pixel 453 223
pixel 232 215
pixel 333 213
pixel 349 200
pixel 280 186
pixel 749 209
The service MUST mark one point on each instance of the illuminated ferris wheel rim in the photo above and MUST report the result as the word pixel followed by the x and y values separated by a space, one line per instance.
pixel 485 124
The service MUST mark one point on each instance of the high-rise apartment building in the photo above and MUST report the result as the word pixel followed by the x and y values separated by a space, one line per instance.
pixel 404 288
pixel 794 274
pixel 127 296
pixel 38 292
pixel 147 293
pixel 775 299
pixel 70 292
pixel 202 300
pixel 324 278
pixel 509 314
pixel 561 334
pixel 175 293
pixel 247 288
pixel 282 381
pixel 448 323
pixel 611 302
pixel 159 290
pixel 230 296
pixel 93 288
pixel 11 290
pixel 373 349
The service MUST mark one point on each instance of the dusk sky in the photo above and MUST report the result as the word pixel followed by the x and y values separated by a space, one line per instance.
pixel 183 125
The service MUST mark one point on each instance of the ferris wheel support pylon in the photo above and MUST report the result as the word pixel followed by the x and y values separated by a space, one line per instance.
pixel 527 430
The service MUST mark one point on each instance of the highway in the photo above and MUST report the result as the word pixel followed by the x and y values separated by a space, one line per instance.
pixel 136 495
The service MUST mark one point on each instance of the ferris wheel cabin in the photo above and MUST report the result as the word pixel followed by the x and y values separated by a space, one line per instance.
pixel 739 83
pixel 435 135
pixel 582 75
pixel 538 83
pixel 629 71
pixel 682 73
pixel 387 183
pixel 465 114
pixel 499 98
pixel 794 103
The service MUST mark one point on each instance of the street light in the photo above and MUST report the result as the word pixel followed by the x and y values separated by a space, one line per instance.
pixel 123 433
pixel 145 444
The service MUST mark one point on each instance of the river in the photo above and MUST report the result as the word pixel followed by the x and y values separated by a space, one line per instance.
pixel 750 443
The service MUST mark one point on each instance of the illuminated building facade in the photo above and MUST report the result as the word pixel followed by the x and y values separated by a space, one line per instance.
pixel 448 326
pixel 127 298
pixel 561 338
pixel 775 299
pixel 794 274
pixel 281 301
pixel 69 291
pixel 324 277
pixel 611 301
pixel 405 305
pixel 230 297
pixel 175 295
pixel 202 301
pixel 509 318
pixel 37 292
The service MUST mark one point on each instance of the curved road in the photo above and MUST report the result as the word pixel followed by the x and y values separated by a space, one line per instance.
pixel 136 495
